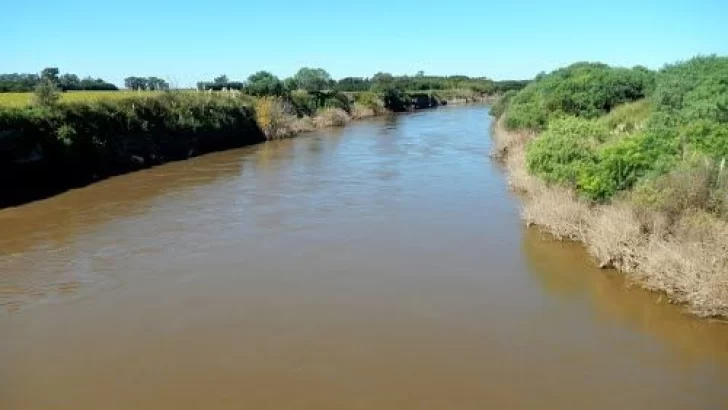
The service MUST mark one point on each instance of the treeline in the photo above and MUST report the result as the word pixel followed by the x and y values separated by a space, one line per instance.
pixel 146 83
pixel 65 82
pixel 318 79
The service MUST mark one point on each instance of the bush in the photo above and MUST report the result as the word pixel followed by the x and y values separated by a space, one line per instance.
pixel 565 150
pixel 304 103
pixel 82 141
pixel 694 184
pixel 586 90
pixel 628 118
pixel 331 117
pixel 370 100
pixel 271 117
pixel 337 100
pixel 502 104
pixel 46 93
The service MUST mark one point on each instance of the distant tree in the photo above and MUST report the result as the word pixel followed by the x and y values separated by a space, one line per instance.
pixel 136 83
pixel 290 84
pixel 223 79
pixel 312 79
pixel 51 74
pixel 353 84
pixel 420 73
pixel 264 83
pixel 46 93
pixel 383 82
pixel 156 83
pixel 69 82
pixel 28 82
pixel 96 84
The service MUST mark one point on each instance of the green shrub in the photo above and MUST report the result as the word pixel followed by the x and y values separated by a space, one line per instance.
pixel 84 140
pixel 619 164
pixel 304 103
pixel 337 100
pixel 586 90
pixel 563 152
pixel 502 103
pixel 628 117
pixel 369 100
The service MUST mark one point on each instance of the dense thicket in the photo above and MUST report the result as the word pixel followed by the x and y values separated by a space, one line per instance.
pixel 586 90
pixel 668 139
pixel 78 142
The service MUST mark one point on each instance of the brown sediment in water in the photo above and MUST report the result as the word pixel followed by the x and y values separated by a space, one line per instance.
pixel 687 260
pixel 377 266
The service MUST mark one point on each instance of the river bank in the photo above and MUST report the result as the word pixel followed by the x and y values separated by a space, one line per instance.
pixel 685 259
pixel 48 150
pixel 381 258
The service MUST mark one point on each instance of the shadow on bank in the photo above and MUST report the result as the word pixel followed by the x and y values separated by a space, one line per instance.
pixel 45 151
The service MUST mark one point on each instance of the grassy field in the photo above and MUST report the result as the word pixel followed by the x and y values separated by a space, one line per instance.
pixel 22 99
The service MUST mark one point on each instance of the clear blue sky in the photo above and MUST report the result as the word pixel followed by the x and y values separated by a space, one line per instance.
pixel 185 41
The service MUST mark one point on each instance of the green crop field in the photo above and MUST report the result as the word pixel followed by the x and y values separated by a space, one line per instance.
pixel 22 99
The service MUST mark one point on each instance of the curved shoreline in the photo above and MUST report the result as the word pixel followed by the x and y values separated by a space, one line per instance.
pixel 686 260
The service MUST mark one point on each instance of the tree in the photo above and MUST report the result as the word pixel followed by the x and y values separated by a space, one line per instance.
pixel 264 83
pixel 46 93
pixel 51 74
pixel 223 79
pixel 353 84
pixel 156 83
pixel 383 82
pixel 69 82
pixel 312 79
pixel 290 84
pixel 136 83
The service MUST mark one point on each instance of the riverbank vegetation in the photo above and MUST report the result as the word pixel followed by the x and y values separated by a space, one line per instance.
pixel 47 148
pixel 631 162
pixel 56 138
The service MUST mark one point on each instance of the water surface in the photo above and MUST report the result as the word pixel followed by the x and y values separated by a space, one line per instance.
pixel 380 266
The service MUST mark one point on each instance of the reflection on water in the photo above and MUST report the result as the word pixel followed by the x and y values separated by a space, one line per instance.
pixel 566 271
pixel 48 230
pixel 379 266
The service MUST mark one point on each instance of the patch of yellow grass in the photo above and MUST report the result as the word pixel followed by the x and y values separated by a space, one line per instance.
pixel 23 99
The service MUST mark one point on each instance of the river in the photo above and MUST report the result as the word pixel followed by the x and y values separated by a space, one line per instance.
pixel 378 266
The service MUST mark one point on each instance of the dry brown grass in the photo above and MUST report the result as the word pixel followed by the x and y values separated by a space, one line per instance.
pixel 300 125
pixel 677 250
pixel 507 141
pixel 558 212
pixel 615 236
pixel 360 111
pixel 331 117
pixel 690 264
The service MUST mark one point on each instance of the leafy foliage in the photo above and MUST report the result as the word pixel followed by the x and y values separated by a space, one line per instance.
pixel 46 93
pixel 264 83
pixel 586 90
pixel 601 148
pixel 312 79
pixel 80 140
pixel 145 83
pixel 65 82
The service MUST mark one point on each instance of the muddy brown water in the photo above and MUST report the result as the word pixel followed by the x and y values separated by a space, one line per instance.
pixel 379 266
